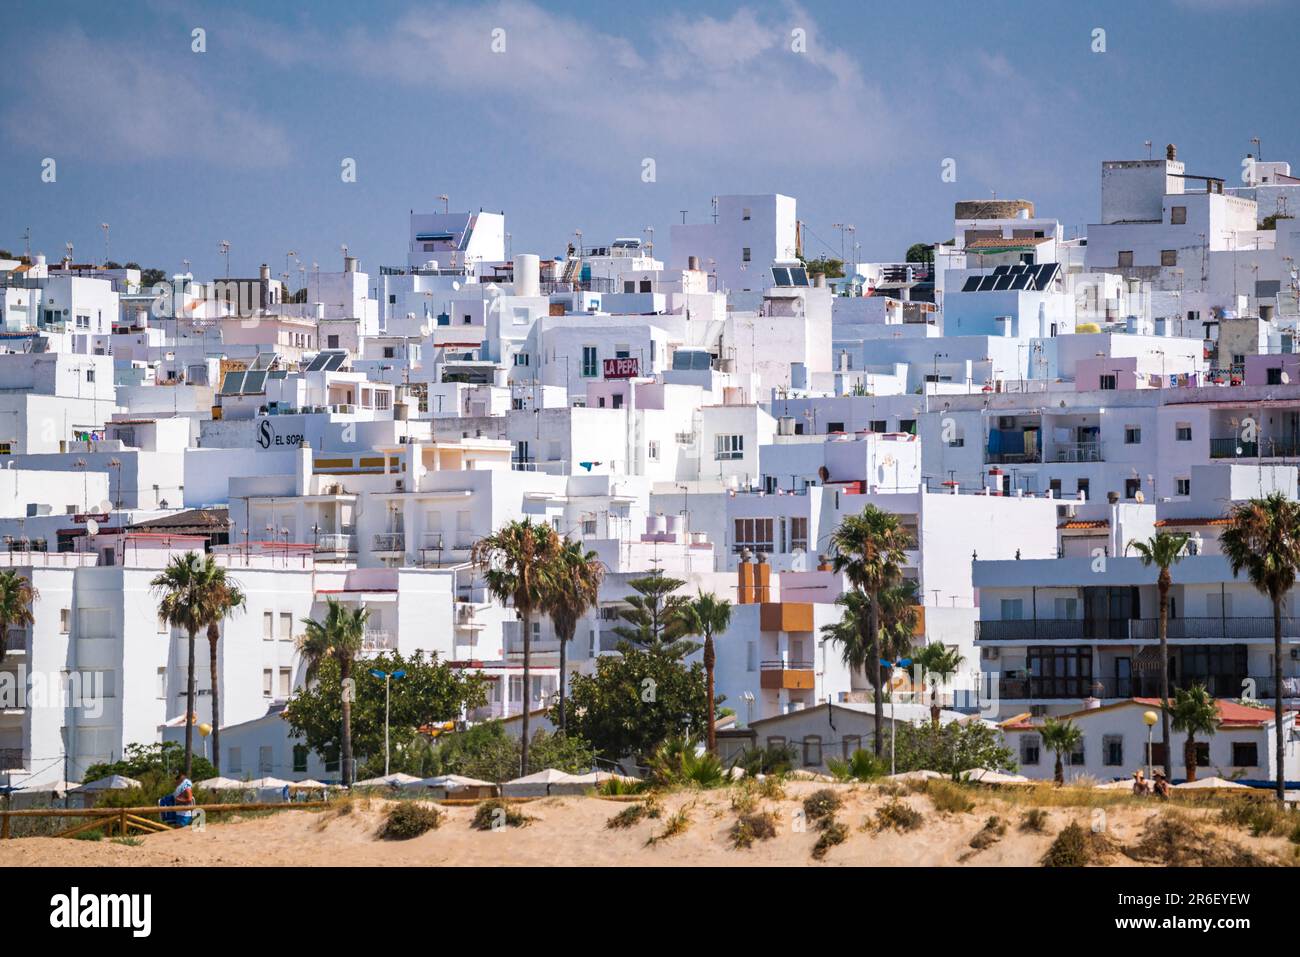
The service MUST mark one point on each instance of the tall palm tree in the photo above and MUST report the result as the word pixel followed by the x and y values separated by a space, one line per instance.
pixel 187 586
pixel 850 632
pixel 1163 550
pixel 225 598
pixel 519 560
pixel 938 663
pixel 574 590
pixel 17 595
pixel 870 550
pixel 1263 538
pixel 1195 712
pixel 339 636
pixel 708 615
pixel 1062 736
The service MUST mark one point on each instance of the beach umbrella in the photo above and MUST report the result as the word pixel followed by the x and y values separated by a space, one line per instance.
pixel 114 782
pixel 915 776
pixel 990 776
pixel 223 784
pixel 1212 782
pixel 397 779
pixel 1123 784
pixel 308 785
pixel 448 781
pixel 537 784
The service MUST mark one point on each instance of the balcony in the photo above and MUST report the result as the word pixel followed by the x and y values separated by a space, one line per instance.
pixel 389 542
pixel 790 675
pixel 336 542
pixel 1034 688
pixel 1078 452
pixel 1132 629
pixel 513 633
pixel 1229 447
pixel 378 639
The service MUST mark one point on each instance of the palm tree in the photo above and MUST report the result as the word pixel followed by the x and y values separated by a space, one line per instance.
pixel 339 636
pixel 225 599
pixel 655 621
pixel 575 589
pixel 1263 537
pixel 1163 550
pixel 708 615
pixel 1195 712
pixel 850 632
pixel 870 550
pixel 938 663
pixel 1062 736
pixel 17 595
pixel 188 586
pixel 518 561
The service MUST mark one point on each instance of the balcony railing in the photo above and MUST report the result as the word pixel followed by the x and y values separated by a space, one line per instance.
pixel 1037 688
pixel 390 542
pixel 1078 452
pixel 1131 629
pixel 378 639
pixel 1229 447
pixel 331 542
pixel 791 664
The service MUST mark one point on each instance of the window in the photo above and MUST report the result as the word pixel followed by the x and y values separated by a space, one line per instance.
pixel 907 425
pixel 1124 258
pixel 466 319
pixel 1183 432
pixel 799 534
pixel 1013 609
pixel 1132 435
pixel 1275 376
pixel 744 254
pixel 629 285
pixel 389 352
pixel 852 742
pixel 776 742
pixel 879 425
pixel 754 534
pixel 268 625
pixel 834 426
pixel 332 342
pixel 1055 486
pixel 1182 486
pixel 1131 487
pixel 744 214
pixel 521 358
pixel 589 361
pixel 286 626
pixel 652 450
pixel 1059 671
pixel 1177 215
pixel 1107 381
pixel 751 656
pixel 65 620
pixel 161 692
pixel 90 375
pixel 392 299
pixel 516 688
pixel 812 750
pixel 268 677
pixel 286 682
pixel 645 287
pixel 1030 745
pixel 300 758
pixel 1081 486
pixel 234 760
pixel 264 760
pixel 1112 750
pixel 517 405
pixel 1169 257
pixel 726 447
pixel 1076 757
pixel 1202 754
pixel 1245 754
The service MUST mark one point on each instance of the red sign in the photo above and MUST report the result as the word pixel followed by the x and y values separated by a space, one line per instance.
pixel 621 368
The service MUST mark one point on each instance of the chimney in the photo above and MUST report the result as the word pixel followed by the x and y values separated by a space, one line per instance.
pixel 693 263
pixel 1171 152
pixel 762 579
pixel 349 263
pixel 745 570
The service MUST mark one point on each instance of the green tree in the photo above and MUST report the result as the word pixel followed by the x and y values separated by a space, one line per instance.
pixel 951 748
pixel 574 590
pixel 336 640
pixel 869 549
pixel 518 561
pixel 1195 712
pixel 430 694
pixel 194 591
pixel 141 761
pixel 827 266
pixel 17 595
pixel 488 752
pixel 937 663
pixel 225 598
pixel 1163 550
pixel 1263 539
pixel 634 702
pixel 708 615
pixel 920 253
pixel 655 617
pixel 1061 736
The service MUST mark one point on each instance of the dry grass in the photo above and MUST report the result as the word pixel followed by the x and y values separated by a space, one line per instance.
pixel 1077 846
pixel 1178 840
pixel 758 826
pixel 899 816
pixel 677 823
pixel 948 797
pixel 833 833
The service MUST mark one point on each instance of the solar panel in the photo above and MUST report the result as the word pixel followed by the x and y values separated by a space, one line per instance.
pixel 798 276
pixel 999 270
pixel 1004 282
pixel 254 382
pixel 1021 280
pixel 972 284
pixel 317 363
pixel 1046 273
pixel 334 360
pixel 1017 269
pixel 233 384
pixel 987 283
pixel 781 275
pixel 263 360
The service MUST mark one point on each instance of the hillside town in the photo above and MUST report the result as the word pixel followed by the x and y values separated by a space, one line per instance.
pixel 1007 480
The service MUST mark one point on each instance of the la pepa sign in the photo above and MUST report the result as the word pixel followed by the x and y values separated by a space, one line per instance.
pixel 622 368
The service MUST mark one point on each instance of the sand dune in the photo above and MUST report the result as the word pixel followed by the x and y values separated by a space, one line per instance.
pixel 572 831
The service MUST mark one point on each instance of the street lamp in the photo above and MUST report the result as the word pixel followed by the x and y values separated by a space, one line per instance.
pixel 891 665
pixel 1149 718
pixel 387 676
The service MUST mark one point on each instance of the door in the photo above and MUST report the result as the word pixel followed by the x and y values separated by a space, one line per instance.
pixel 1123 678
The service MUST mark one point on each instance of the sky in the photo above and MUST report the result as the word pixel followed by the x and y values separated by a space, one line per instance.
pixel 549 111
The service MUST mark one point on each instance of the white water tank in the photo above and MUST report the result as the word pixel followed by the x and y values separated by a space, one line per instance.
pixel 527 270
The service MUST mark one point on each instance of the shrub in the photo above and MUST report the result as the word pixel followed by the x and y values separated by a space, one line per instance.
pixel 494 814
pixel 1034 820
pixel 821 805
pixel 861 766
pixel 1177 841
pixel 408 819
pixel 899 816
pixel 632 814
pixel 617 787
pixel 832 834
pixel 948 797
pixel 1260 818
pixel 992 832
pixel 773 759
pixel 677 823
pixel 1077 846
pixel 753 827
pixel 679 763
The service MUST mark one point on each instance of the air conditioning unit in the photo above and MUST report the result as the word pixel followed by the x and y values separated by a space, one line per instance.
pixel 989 654
pixel 401 485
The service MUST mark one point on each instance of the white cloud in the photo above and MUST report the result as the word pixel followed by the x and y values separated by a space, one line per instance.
pixel 123 103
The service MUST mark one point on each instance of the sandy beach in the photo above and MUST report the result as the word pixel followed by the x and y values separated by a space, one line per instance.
pixel 573 831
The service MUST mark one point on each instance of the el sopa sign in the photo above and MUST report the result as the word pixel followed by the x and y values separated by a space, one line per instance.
pixel 622 368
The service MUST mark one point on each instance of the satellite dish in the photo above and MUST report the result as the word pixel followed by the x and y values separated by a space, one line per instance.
pixel 1286 377
pixel 455 285
pixel 424 332
pixel 1139 497
pixel 92 527
pixel 106 506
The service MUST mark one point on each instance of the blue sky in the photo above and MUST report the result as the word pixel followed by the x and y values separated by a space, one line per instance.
pixel 179 150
